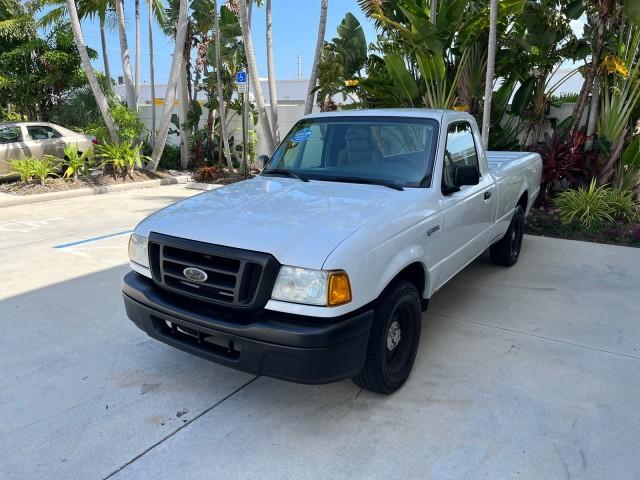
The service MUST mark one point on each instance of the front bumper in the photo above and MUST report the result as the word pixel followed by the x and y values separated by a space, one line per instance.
pixel 289 347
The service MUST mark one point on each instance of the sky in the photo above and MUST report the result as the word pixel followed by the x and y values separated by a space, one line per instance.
pixel 295 30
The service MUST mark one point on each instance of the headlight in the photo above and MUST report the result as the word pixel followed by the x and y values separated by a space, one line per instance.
pixel 312 287
pixel 138 250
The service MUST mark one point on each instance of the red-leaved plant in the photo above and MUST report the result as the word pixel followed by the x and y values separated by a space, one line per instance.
pixel 565 163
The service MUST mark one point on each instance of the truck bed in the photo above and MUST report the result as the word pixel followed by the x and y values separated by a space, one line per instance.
pixel 502 164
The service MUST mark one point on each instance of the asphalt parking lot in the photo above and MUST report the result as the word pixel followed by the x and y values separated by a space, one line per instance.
pixel 531 372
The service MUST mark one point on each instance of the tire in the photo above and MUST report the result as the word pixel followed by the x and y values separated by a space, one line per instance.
pixel 393 340
pixel 506 251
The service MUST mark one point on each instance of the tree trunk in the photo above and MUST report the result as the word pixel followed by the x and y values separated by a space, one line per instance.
pixel 322 27
pixel 593 112
pixel 491 68
pixel 170 95
pixel 88 69
pixel 253 73
pixel 137 78
pixel 434 11
pixel 105 55
pixel 152 76
pixel 581 104
pixel 126 59
pixel 183 96
pixel 271 72
pixel 221 104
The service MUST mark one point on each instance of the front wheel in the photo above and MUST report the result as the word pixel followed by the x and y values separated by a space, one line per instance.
pixel 393 341
pixel 507 250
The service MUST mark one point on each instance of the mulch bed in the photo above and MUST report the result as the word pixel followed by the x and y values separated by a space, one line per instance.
pixel 545 222
pixel 61 184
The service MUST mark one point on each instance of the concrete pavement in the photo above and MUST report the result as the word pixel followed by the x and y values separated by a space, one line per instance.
pixel 529 372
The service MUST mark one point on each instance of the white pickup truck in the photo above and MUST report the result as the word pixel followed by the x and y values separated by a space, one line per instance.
pixel 319 268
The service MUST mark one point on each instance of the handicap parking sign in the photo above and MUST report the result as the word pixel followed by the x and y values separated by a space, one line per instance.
pixel 241 77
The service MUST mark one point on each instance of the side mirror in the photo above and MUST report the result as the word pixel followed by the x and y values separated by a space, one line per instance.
pixel 466 175
pixel 261 161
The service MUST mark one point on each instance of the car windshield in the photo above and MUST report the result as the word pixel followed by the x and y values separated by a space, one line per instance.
pixel 389 151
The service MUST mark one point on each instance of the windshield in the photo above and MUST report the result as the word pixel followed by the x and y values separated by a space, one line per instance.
pixel 385 150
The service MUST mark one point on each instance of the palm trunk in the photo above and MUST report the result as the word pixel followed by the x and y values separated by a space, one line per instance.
pixel 170 95
pixel 88 69
pixel 221 104
pixel 183 96
pixel 137 79
pixel 105 56
pixel 587 86
pixel 491 68
pixel 271 72
pixel 126 59
pixel 322 27
pixel 593 112
pixel 253 73
pixel 152 76
pixel 434 11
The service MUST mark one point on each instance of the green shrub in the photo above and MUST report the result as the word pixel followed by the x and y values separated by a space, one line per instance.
pixel 75 162
pixel 123 158
pixel 45 168
pixel 23 167
pixel 170 159
pixel 623 204
pixel 595 205
pixel 130 127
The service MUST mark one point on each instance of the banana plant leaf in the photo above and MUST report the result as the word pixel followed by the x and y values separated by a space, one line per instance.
pixel 401 77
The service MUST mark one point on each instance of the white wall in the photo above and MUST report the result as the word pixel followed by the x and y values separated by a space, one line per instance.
pixel 288 115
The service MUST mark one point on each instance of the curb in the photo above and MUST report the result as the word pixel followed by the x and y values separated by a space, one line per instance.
pixel 202 186
pixel 83 192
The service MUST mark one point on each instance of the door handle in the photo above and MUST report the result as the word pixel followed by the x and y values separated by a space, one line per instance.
pixel 487 195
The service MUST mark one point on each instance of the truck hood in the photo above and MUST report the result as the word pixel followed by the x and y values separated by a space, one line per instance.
pixel 299 223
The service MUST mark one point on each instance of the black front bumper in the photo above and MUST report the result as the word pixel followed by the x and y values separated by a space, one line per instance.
pixel 290 347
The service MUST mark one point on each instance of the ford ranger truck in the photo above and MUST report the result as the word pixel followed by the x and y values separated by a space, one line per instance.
pixel 318 269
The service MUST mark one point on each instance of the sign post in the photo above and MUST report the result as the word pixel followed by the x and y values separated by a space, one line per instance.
pixel 242 86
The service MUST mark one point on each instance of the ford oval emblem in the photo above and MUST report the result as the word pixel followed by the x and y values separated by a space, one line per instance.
pixel 195 274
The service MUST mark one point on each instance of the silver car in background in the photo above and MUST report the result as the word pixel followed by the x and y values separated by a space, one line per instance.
pixel 36 139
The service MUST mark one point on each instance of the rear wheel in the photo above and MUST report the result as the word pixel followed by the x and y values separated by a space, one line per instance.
pixel 507 250
pixel 393 341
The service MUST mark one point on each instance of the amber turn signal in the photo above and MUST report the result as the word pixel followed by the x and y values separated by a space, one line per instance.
pixel 339 289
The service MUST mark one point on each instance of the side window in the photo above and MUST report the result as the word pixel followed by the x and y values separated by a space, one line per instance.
pixel 460 151
pixel 42 132
pixel 10 134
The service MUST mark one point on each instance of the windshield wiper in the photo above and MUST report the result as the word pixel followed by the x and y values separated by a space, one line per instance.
pixel 283 171
pixel 366 181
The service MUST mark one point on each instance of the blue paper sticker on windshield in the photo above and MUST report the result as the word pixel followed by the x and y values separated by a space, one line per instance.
pixel 301 135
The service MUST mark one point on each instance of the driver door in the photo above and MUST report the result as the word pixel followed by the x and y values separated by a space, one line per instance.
pixel 467 212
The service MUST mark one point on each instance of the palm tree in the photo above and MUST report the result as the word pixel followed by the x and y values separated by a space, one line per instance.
pixel 322 27
pixel 267 133
pixel 125 56
pixel 176 66
pixel 271 73
pixel 137 78
pixel 88 69
pixel 491 68
pixel 85 9
pixel 152 79
pixel 221 105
